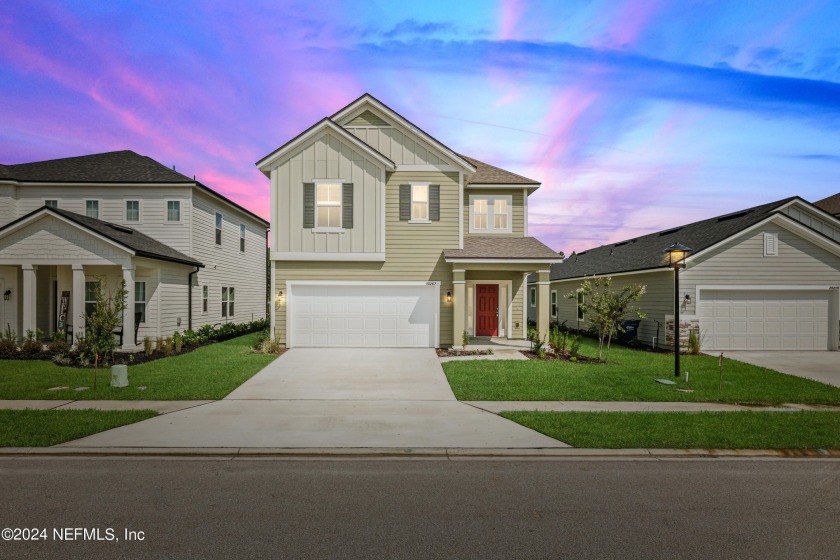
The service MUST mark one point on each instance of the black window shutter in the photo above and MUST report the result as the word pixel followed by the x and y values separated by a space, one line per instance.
pixel 309 205
pixel 405 203
pixel 347 205
pixel 434 203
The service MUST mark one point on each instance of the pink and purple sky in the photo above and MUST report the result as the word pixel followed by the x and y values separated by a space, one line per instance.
pixel 636 115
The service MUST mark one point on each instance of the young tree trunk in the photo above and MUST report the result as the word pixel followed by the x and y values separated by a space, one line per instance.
pixel 609 340
pixel 95 368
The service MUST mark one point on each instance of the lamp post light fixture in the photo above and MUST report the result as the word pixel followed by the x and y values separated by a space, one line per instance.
pixel 676 258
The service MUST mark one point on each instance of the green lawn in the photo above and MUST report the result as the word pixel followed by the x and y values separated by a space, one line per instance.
pixel 687 430
pixel 630 376
pixel 42 428
pixel 210 372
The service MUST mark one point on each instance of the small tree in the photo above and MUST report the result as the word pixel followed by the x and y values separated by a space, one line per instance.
pixel 101 323
pixel 607 309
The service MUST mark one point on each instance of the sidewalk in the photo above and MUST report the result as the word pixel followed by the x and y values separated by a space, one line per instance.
pixel 163 407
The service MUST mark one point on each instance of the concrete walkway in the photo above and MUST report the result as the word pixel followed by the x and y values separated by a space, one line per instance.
pixel 332 398
pixel 819 366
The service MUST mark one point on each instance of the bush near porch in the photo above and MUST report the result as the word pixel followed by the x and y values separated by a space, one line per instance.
pixel 207 373
pixel 630 376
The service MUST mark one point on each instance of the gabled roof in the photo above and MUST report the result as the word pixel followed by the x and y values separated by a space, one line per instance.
pixel 646 252
pixel 502 248
pixel 368 98
pixel 487 174
pixel 318 128
pixel 138 243
pixel 830 204
pixel 120 167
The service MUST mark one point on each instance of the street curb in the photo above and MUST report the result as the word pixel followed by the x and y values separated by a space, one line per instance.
pixel 433 453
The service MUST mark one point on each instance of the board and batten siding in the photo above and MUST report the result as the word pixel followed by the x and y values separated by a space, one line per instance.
pixel 225 265
pixel 413 252
pixel 656 303
pixel 327 158
pixel 399 145
pixel 112 207
pixel 517 210
pixel 813 221
pixel 742 263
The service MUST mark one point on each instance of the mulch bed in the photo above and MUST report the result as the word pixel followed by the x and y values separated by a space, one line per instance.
pixel 549 357
pixel 445 352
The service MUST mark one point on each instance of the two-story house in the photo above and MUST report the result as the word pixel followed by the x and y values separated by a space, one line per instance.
pixel 382 236
pixel 188 255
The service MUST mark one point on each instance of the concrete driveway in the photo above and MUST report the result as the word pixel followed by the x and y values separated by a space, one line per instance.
pixel 819 366
pixel 333 398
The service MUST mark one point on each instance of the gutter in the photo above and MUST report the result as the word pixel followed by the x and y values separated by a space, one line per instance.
pixel 189 301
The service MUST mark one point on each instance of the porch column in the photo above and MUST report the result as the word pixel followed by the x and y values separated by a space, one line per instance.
pixel 459 300
pixel 128 314
pixel 29 287
pixel 542 302
pixel 78 302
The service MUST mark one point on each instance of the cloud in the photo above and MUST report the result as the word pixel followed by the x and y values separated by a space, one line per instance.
pixel 817 157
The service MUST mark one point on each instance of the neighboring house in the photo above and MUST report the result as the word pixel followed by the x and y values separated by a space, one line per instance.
pixel 830 205
pixel 384 236
pixel 189 256
pixel 765 278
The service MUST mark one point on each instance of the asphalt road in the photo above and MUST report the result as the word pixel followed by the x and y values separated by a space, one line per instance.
pixel 425 509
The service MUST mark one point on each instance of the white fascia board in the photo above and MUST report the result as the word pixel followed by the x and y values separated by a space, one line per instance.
pixel 504 261
pixel 642 271
pixel 530 187
pixel 45 211
pixel 427 167
pixel 367 99
pixel 326 257
pixel 319 128
pixel 293 283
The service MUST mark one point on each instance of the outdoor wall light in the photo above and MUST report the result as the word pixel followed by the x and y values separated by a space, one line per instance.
pixel 7 295
pixel 688 298
pixel 448 297
pixel 279 296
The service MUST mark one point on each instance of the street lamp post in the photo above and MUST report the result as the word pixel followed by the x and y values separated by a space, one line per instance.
pixel 676 255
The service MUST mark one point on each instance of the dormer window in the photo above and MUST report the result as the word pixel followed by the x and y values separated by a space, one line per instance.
pixel 490 214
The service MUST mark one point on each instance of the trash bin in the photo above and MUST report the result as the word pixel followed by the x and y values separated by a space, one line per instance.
pixel 631 331
pixel 119 376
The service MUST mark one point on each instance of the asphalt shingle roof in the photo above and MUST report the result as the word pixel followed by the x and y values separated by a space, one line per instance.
pixel 830 204
pixel 109 167
pixel 524 248
pixel 646 252
pixel 140 243
pixel 487 174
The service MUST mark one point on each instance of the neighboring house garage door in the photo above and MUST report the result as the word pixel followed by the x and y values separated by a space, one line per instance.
pixel 363 315
pixel 764 320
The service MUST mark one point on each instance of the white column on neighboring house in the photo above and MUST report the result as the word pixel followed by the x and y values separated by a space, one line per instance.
pixel 78 302
pixel 128 314
pixel 29 289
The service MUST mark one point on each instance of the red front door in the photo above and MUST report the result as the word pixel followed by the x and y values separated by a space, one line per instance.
pixel 487 310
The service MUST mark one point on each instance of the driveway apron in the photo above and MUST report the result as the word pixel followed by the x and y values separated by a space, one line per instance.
pixel 333 398
pixel 819 366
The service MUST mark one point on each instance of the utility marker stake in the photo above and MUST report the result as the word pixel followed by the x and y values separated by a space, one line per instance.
pixel 720 367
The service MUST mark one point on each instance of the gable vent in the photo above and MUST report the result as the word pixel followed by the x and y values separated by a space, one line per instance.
pixel 771 245
pixel 367 118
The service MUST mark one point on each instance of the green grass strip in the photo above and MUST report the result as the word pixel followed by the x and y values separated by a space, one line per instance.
pixel 687 430
pixel 42 428
pixel 208 373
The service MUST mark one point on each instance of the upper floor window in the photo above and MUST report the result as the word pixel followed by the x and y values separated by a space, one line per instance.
pixel 490 214
pixel 132 210
pixel 51 203
pixel 328 205
pixel 242 238
pixel 218 228
pixel 92 209
pixel 420 202
pixel 173 210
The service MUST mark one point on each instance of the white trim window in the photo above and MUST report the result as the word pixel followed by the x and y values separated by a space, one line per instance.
pixel 241 238
pixel 205 296
pixel 132 210
pixel 51 203
pixel 91 290
pixel 328 205
pixel 553 304
pixel 580 301
pixel 532 297
pixel 218 228
pixel 771 244
pixel 140 302
pixel 224 301
pixel 173 211
pixel 491 213
pixel 92 209
pixel 420 203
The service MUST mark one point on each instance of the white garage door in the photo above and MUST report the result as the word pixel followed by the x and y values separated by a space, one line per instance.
pixel 764 320
pixel 382 315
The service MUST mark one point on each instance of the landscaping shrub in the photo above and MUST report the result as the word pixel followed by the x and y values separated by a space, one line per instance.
pixel 178 340
pixel 32 347
pixel 574 347
pixel 58 347
pixel 8 344
pixel 147 346
pixel 465 338
pixel 693 343
pixel 159 344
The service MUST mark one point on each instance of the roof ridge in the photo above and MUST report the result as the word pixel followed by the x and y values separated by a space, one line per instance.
pixel 73 157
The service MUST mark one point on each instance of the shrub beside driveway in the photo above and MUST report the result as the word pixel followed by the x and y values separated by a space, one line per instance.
pixel 630 376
